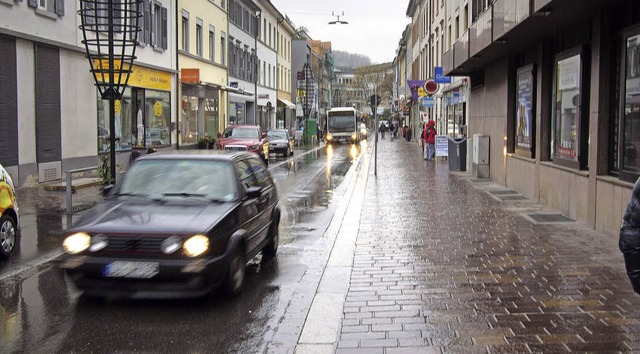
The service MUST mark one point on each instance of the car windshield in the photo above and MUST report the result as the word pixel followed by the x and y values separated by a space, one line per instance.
pixel 238 132
pixel 277 135
pixel 212 180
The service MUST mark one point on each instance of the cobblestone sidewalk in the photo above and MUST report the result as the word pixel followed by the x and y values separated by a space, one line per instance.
pixel 442 267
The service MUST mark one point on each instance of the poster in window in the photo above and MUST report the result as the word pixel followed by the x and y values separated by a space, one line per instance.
pixel 568 106
pixel 524 120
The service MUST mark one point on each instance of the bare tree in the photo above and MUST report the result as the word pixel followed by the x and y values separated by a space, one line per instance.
pixel 375 79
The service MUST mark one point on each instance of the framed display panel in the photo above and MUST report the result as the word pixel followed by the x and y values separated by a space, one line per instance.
pixel 569 120
pixel 524 116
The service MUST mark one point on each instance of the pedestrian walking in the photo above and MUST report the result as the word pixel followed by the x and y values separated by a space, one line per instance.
pixel 408 134
pixel 382 129
pixel 429 140
pixel 629 240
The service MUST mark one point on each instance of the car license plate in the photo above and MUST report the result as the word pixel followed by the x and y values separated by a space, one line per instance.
pixel 122 269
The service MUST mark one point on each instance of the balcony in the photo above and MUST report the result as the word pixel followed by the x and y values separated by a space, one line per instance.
pixel 509 27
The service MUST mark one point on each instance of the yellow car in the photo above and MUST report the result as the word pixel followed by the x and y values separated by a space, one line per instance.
pixel 9 214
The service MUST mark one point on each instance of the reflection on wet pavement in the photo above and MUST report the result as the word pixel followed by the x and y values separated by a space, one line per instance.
pixel 40 311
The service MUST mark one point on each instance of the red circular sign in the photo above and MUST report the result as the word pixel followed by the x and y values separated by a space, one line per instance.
pixel 430 87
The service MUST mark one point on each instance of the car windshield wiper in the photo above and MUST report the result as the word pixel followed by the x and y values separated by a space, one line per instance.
pixel 184 194
pixel 131 194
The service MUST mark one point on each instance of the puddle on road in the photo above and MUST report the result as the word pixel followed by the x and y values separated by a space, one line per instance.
pixel 302 206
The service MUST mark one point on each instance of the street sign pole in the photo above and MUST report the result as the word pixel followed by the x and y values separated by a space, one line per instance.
pixel 374 100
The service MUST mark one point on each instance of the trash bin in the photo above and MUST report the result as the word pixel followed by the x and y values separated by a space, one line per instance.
pixel 457 154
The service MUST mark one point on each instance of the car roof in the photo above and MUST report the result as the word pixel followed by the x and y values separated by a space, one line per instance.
pixel 191 154
pixel 243 126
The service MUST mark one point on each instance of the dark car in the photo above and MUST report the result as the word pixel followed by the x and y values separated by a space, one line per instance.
pixel 245 138
pixel 280 142
pixel 176 225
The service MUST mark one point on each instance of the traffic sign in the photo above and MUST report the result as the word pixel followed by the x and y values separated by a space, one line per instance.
pixel 430 87
pixel 375 100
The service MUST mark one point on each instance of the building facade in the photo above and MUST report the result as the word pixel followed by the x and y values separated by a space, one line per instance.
pixel 286 109
pixel 202 56
pixel 242 57
pixel 62 123
pixel 553 84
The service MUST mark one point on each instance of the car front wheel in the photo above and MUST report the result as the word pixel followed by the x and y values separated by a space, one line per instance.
pixel 270 249
pixel 235 274
pixel 8 234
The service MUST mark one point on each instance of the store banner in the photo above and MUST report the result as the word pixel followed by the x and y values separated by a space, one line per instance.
pixel 417 89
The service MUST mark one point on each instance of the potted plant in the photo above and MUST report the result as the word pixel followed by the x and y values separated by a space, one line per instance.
pixel 203 143
pixel 211 141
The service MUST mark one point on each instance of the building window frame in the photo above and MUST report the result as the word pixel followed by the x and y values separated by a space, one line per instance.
pixel 628 134
pixel 185 31
pixel 572 152
pixel 212 44
pixel 199 38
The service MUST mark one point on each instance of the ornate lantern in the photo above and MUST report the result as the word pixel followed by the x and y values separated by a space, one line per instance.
pixel 110 36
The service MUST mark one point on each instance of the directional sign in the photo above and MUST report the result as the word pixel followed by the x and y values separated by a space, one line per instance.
pixel 440 78
pixel 375 100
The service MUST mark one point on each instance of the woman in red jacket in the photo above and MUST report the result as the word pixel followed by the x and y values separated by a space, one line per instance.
pixel 429 140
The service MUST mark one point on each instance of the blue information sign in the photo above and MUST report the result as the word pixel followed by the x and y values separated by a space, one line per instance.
pixel 439 77
pixel 428 102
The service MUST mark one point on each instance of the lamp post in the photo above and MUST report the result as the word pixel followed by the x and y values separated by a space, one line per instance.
pixel 307 107
pixel 255 65
pixel 110 58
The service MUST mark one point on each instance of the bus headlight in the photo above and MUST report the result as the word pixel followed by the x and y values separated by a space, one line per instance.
pixel 353 136
pixel 329 137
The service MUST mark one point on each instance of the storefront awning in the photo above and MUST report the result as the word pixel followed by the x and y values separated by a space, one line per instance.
pixel 289 104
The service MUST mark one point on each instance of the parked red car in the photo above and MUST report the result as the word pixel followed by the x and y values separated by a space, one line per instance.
pixel 245 138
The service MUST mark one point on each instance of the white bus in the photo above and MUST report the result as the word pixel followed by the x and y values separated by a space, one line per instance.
pixel 343 125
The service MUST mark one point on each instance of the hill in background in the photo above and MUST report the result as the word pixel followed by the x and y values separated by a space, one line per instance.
pixel 348 60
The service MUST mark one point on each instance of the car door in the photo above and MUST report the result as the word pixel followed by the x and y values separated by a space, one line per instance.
pixel 268 197
pixel 250 207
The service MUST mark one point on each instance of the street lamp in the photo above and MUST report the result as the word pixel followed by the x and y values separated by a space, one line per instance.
pixel 255 67
pixel 338 21
pixel 110 36
pixel 307 106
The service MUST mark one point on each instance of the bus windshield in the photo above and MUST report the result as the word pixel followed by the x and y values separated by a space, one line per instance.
pixel 341 123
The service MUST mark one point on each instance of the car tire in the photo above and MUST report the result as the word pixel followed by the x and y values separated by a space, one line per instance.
pixel 235 274
pixel 8 235
pixel 271 248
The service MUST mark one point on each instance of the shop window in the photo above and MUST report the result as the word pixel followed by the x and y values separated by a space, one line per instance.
pixel 158 118
pixel 570 121
pixel 524 114
pixel 124 132
pixel 630 106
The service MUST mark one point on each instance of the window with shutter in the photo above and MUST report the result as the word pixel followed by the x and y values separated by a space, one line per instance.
pixel 59 7
pixel 164 28
pixel 147 21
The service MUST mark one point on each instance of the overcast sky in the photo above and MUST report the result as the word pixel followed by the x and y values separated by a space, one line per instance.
pixel 374 28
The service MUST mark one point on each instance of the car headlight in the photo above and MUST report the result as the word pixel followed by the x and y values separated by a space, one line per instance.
pixel 76 243
pixel 196 245
pixel 353 136
pixel 254 147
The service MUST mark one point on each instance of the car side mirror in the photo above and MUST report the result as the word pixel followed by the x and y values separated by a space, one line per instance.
pixel 254 192
pixel 106 189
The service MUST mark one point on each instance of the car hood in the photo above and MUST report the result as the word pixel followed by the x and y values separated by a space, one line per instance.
pixel 239 141
pixel 180 216
pixel 278 141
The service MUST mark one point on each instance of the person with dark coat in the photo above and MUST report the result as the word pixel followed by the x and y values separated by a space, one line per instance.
pixel 629 241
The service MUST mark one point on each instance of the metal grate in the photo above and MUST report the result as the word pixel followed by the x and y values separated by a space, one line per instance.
pixel 134 243
pixel 548 218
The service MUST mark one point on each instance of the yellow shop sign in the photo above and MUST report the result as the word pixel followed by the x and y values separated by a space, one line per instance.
pixel 139 77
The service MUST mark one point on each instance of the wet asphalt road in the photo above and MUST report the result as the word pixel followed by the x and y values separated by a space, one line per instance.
pixel 41 312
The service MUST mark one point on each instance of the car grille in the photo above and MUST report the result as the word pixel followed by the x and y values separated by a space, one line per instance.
pixel 134 243
pixel 236 147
